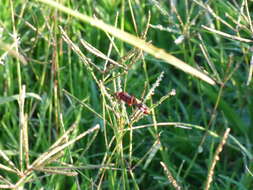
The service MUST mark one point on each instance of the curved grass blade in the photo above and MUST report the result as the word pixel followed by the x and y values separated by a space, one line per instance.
pixel 4 100
pixel 133 40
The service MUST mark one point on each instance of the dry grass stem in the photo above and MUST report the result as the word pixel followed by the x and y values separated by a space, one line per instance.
pixel 170 177
pixel 154 86
pixel 227 35
pixel 163 28
pixel 162 99
pixel 216 159
pixel 53 151
pixel 23 124
pixel 56 171
pixel 205 52
pixel 110 128
pixel 8 183
pixel 212 12
pixel 77 50
pixel 133 40
pixel 3 167
pixel 65 136
pixel 6 158
pixel 98 53
pixel 82 103
pixel 9 49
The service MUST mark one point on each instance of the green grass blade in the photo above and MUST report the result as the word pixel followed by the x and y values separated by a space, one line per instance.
pixel 133 40
pixel 4 100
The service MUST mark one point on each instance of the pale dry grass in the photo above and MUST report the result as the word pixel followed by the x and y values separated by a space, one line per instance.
pixel 24 171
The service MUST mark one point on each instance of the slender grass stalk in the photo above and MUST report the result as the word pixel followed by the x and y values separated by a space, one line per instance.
pixel 216 159
pixel 170 177
pixel 158 143
pixel 131 39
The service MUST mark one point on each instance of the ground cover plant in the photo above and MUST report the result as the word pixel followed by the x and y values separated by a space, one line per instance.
pixel 126 94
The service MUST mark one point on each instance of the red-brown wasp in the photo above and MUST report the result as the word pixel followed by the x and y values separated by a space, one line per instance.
pixel 132 101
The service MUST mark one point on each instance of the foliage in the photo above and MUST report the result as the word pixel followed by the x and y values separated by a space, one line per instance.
pixel 64 126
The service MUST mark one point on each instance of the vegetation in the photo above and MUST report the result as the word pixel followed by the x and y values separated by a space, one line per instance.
pixel 121 94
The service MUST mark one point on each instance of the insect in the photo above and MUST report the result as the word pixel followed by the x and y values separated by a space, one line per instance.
pixel 132 101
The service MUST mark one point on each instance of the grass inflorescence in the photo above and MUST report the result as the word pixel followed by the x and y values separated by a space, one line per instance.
pixel 126 94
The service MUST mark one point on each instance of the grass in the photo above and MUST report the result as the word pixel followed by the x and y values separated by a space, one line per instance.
pixel 63 127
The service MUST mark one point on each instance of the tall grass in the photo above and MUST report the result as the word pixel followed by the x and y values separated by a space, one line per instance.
pixel 64 126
